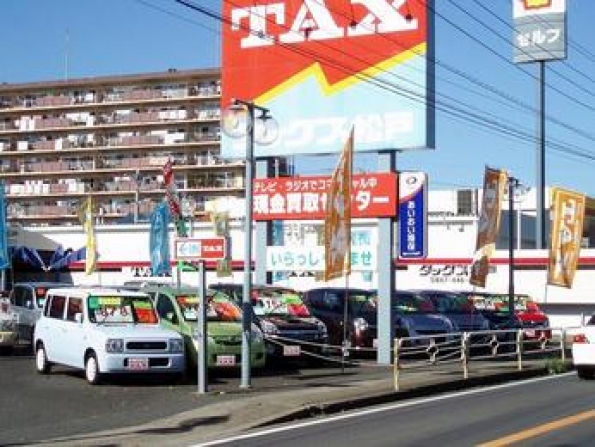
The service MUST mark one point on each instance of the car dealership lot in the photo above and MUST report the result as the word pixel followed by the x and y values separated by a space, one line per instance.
pixel 36 407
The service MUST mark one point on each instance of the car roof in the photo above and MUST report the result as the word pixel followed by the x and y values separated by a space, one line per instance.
pixel 43 284
pixel 80 291
pixel 340 289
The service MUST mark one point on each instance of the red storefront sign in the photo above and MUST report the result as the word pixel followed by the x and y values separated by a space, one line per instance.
pixel 303 198
pixel 191 249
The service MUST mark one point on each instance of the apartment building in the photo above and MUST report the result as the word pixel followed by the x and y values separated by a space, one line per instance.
pixel 110 137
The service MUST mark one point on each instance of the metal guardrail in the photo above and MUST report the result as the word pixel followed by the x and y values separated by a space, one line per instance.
pixel 416 353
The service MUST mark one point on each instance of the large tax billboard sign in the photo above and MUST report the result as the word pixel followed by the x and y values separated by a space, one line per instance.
pixel 323 67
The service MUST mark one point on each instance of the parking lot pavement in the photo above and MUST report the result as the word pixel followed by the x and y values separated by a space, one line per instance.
pixel 299 395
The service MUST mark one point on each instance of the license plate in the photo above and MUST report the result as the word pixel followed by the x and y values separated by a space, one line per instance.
pixel 530 332
pixel 291 351
pixel 226 360
pixel 138 364
pixel 375 343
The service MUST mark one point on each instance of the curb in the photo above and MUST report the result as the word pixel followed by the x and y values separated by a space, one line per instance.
pixel 338 406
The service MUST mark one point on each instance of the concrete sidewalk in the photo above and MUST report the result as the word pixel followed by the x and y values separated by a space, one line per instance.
pixel 233 413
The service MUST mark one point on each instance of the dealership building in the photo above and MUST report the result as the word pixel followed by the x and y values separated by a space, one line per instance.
pixel 109 137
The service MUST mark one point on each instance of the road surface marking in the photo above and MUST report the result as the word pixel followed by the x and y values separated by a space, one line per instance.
pixel 373 410
pixel 540 429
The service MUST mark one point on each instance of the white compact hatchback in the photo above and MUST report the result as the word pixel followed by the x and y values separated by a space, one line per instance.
pixel 105 331
pixel 583 350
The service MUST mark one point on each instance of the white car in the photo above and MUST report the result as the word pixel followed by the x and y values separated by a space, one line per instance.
pixel 583 350
pixel 105 331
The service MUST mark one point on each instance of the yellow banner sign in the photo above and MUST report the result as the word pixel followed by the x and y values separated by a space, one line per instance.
pixel 337 228
pixel 568 214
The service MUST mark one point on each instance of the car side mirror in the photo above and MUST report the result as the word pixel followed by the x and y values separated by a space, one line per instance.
pixel 78 317
pixel 171 317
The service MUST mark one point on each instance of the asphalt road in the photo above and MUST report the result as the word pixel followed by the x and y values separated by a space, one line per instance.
pixel 36 407
pixel 557 411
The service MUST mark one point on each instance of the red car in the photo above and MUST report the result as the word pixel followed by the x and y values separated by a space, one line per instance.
pixel 534 321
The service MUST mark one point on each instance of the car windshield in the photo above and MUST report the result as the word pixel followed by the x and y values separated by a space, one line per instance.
pixel 281 302
pixel 40 295
pixel 121 309
pixel 453 303
pixel 219 307
pixel 408 304
pixel 363 303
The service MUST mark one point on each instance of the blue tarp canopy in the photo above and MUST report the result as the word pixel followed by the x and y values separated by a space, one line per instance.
pixel 59 259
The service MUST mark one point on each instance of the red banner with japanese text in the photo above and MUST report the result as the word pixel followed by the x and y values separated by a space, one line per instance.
pixel 568 214
pixel 488 226
pixel 337 225
pixel 304 198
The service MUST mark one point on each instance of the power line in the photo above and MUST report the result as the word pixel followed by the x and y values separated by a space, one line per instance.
pixel 493 125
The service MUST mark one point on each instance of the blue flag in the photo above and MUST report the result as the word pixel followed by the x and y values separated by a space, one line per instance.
pixel 159 240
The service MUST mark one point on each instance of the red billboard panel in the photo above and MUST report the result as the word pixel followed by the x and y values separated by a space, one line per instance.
pixel 303 198
pixel 322 67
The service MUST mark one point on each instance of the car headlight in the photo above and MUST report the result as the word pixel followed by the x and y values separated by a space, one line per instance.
pixel 176 345
pixel 114 345
pixel 322 328
pixel 256 335
pixel 360 324
pixel 269 328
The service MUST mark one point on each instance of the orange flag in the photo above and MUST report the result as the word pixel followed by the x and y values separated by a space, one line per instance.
pixel 337 224
pixel 489 224
pixel 568 210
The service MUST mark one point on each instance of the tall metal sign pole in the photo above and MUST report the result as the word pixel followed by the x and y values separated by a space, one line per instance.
pixel 539 35
pixel 237 121
pixel 190 249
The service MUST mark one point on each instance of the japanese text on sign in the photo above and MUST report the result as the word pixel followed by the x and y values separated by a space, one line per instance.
pixel 193 249
pixel 286 198
pixel 288 258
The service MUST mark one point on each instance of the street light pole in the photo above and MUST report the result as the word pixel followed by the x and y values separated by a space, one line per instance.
pixel 247 289
pixel 513 183
pixel 231 125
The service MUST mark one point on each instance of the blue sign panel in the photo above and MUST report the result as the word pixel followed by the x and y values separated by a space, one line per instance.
pixel 413 215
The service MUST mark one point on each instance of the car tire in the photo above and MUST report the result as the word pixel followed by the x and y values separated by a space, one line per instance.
pixel 92 373
pixel 584 373
pixel 42 364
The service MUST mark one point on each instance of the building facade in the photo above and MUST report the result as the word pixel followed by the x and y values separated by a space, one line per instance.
pixel 110 137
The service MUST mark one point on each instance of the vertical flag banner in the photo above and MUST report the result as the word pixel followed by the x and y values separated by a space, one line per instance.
pixel 322 67
pixel 4 259
pixel 539 30
pixel 488 226
pixel 568 214
pixel 85 214
pixel 159 240
pixel 337 225
pixel 173 200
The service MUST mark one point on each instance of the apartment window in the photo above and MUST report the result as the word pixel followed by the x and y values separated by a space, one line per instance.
pixel 466 202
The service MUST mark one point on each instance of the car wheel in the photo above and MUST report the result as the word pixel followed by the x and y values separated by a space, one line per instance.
pixel 42 364
pixel 584 373
pixel 92 373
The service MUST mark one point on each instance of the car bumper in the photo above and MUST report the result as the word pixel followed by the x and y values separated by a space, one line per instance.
pixel 157 363
pixel 583 354
pixel 228 356
pixel 8 339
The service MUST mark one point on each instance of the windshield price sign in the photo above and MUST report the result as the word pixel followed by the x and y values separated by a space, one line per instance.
pixel 188 249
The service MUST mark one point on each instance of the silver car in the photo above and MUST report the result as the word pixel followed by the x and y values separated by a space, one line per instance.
pixel 421 315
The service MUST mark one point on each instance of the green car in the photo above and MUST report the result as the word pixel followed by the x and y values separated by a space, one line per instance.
pixel 178 310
